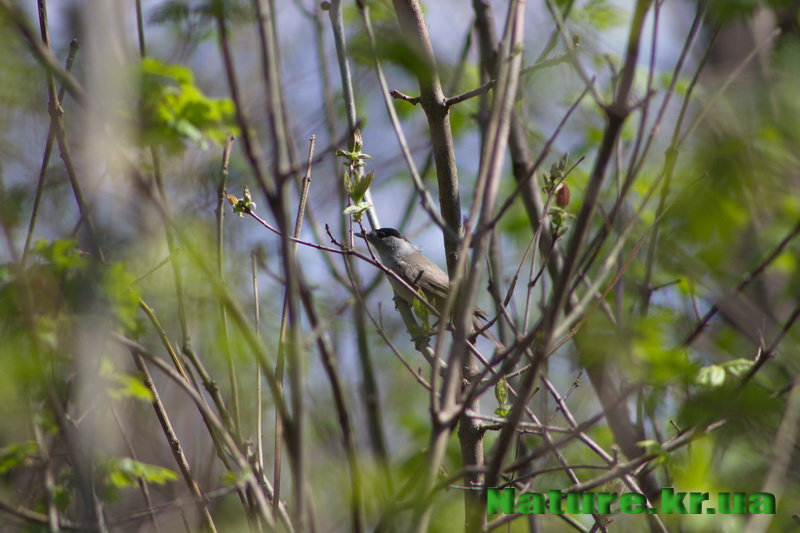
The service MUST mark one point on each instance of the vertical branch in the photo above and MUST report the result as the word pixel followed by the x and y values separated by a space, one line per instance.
pixel 223 318
pixel 81 454
pixel 143 484
pixel 492 158
pixel 175 446
pixel 271 71
pixel 522 167
pixel 57 118
pixel 177 274
pixel 615 116
pixel 409 13
pixel 227 440
pixel 337 23
pixel 371 393
pixel 294 345
pixel 257 325
pixel 250 147
pixel 338 389
pixel 279 369
pixel 49 479
pixel 290 342
pixel 425 197
pixel 48 148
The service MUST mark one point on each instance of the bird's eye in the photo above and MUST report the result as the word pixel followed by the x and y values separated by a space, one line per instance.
pixel 381 235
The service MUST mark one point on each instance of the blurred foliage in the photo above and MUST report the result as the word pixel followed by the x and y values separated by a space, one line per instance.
pixel 123 385
pixel 738 10
pixel 732 197
pixel 16 455
pixel 119 473
pixel 173 110
pixel 194 14
pixel 600 14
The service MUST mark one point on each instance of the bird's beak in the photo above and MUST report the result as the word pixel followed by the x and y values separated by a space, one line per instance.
pixel 362 235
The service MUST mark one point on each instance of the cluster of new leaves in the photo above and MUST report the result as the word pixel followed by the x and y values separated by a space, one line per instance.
pixel 558 189
pixel 244 205
pixel 356 183
pixel 173 110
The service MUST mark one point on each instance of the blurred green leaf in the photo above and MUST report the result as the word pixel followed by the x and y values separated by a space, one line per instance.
pixel 743 409
pixel 122 294
pixel 126 472
pixel 131 387
pixel 14 455
pixel 600 14
pixel 501 391
pixel 652 447
pixel 728 10
pixel 738 367
pixel 229 478
pixel 502 412
pixel 173 110
pixel 420 309
pixel 63 255
pixel 711 376
pixel 123 385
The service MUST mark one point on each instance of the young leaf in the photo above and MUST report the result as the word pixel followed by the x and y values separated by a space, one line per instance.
pixel 420 309
pixel 126 472
pixel 360 187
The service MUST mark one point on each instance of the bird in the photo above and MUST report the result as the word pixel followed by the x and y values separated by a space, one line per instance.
pixel 404 259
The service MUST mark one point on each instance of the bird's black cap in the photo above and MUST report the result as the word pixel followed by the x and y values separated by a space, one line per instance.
pixel 382 233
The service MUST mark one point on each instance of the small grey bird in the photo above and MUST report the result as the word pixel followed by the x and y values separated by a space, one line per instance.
pixel 405 260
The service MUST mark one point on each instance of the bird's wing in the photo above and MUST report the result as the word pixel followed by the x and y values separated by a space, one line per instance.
pixel 437 282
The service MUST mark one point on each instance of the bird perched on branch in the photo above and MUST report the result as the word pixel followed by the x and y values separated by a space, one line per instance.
pixel 404 259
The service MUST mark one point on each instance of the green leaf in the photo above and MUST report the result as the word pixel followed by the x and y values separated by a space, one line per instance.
pixel 62 497
pixel 712 376
pixel 348 183
pixel 15 455
pixel 420 309
pixel 652 447
pixel 130 387
pixel 63 254
pixel 46 331
pixel 358 210
pixel 501 391
pixel 229 478
pixel 360 186
pixel 601 14
pixel 122 294
pixel 738 367
pixel 245 205
pixel 122 385
pixel 126 472
pixel 173 110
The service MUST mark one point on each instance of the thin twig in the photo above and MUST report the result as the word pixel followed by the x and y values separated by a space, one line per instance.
pixel 747 279
pixel 279 367
pixel 48 148
pixel 489 85
pixel 223 319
